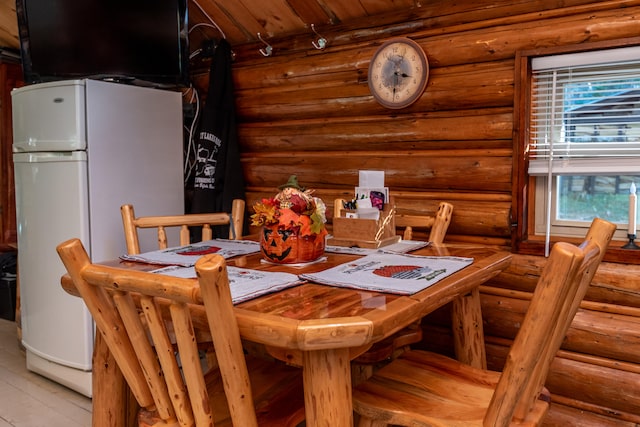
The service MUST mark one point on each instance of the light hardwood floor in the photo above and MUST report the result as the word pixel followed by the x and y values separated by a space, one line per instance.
pixel 30 400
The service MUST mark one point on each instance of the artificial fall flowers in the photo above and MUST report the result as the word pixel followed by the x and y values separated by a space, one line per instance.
pixel 294 209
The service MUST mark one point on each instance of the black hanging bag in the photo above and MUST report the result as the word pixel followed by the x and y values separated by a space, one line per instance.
pixel 218 176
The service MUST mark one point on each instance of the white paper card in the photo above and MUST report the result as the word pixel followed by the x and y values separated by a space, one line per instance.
pixel 368 213
pixel 371 179
pixel 363 204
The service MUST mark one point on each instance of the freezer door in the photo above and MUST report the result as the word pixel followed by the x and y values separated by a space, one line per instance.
pixel 51 204
pixel 49 117
pixel 135 156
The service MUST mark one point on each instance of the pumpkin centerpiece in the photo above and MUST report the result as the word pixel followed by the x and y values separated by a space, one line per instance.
pixel 293 225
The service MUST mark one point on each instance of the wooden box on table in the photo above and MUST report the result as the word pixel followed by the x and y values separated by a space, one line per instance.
pixel 365 233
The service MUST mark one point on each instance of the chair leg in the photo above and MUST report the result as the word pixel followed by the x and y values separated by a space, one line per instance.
pixel 360 373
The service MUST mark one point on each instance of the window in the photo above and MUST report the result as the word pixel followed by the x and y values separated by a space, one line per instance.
pixel 584 139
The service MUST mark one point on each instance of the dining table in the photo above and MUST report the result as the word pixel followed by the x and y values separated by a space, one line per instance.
pixel 321 328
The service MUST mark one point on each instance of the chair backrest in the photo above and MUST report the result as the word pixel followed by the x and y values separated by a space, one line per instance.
pixel 143 349
pixel 561 287
pixel 131 224
pixel 438 224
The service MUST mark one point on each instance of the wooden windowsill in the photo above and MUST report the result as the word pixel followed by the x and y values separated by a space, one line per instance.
pixel 615 253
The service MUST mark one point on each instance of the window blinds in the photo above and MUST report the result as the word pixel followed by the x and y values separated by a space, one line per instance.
pixel 585 115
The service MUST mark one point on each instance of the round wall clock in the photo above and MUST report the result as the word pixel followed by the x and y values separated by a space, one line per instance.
pixel 398 73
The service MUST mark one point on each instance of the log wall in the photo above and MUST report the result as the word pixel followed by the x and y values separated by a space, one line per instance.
pixel 595 378
pixel 309 112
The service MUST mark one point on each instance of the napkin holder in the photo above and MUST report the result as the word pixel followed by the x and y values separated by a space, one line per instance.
pixel 365 233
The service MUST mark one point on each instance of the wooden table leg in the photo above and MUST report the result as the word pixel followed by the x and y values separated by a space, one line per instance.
pixel 109 400
pixel 327 388
pixel 468 332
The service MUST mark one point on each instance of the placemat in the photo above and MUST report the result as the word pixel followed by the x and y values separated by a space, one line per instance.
pixel 244 283
pixel 393 273
pixel 188 255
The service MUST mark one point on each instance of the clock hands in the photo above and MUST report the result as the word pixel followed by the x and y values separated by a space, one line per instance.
pixel 395 83
pixel 397 73
pixel 403 75
pixel 397 60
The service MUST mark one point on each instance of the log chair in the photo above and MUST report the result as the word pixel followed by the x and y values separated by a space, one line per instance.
pixel 167 380
pixel 425 388
pixel 132 224
pixel 382 352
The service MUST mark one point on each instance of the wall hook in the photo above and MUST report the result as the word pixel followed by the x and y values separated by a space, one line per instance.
pixel 321 42
pixel 268 50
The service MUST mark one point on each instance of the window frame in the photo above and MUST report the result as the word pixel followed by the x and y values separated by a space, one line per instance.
pixel 524 239
pixel 560 227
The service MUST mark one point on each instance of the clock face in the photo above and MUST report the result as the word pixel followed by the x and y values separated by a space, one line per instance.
pixel 398 73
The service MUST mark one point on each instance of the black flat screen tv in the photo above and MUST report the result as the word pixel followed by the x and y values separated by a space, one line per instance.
pixel 134 41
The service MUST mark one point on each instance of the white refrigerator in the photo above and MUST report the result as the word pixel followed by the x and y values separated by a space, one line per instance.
pixel 82 148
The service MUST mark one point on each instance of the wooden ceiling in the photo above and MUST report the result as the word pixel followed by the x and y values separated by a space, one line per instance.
pixel 240 21
pixel 8 24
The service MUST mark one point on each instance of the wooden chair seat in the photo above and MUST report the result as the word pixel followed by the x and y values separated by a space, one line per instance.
pixel 277 394
pixel 431 375
pixel 420 388
pixel 275 390
pixel 167 378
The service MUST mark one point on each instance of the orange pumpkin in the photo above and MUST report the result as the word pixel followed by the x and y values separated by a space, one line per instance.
pixel 288 247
